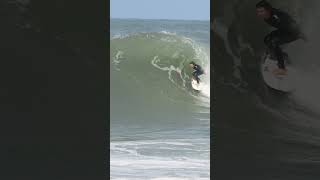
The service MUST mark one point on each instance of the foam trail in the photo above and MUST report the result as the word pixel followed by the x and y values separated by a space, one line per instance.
pixel 206 81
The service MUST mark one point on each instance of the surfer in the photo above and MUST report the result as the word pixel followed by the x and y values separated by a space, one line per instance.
pixel 287 31
pixel 197 71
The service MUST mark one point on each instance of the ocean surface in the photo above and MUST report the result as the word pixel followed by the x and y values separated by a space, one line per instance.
pixel 262 133
pixel 159 124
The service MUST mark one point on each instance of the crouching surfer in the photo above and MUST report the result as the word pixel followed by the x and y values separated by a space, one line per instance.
pixel 287 31
pixel 197 71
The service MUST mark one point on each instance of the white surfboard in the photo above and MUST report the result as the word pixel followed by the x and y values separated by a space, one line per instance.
pixel 283 83
pixel 195 85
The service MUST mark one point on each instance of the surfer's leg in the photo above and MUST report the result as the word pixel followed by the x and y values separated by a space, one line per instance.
pixel 198 80
pixel 281 39
pixel 196 76
pixel 280 56
pixel 269 41
pixel 273 42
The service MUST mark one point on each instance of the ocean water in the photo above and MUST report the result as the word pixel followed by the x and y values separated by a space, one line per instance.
pixel 264 134
pixel 159 124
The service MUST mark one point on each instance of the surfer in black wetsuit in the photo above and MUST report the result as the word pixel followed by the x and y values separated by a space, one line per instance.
pixel 287 30
pixel 197 71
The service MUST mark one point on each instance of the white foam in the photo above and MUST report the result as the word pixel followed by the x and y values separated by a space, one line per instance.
pixel 158 163
pixel 117 59
pixel 166 32
pixel 153 142
pixel 119 36
pixel 128 159
pixel 170 69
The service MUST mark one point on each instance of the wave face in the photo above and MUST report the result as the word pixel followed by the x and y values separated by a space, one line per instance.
pixel 156 117
pixel 276 134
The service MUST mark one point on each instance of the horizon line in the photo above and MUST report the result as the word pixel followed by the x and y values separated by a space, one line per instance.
pixel 161 19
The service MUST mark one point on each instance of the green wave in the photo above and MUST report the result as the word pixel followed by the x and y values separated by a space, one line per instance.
pixel 151 71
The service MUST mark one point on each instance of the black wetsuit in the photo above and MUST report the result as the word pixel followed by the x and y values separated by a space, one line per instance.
pixel 197 72
pixel 287 31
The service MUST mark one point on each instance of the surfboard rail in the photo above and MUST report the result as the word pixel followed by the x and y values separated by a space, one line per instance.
pixel 279 82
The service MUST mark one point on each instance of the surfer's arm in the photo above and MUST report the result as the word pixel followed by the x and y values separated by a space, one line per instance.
pixel 201 70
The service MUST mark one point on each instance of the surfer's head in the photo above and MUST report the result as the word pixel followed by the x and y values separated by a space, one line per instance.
pixel 192 64
pixel 263 9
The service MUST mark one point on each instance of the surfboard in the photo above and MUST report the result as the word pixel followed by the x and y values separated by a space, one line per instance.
pixel 283 83
pixel 195 85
